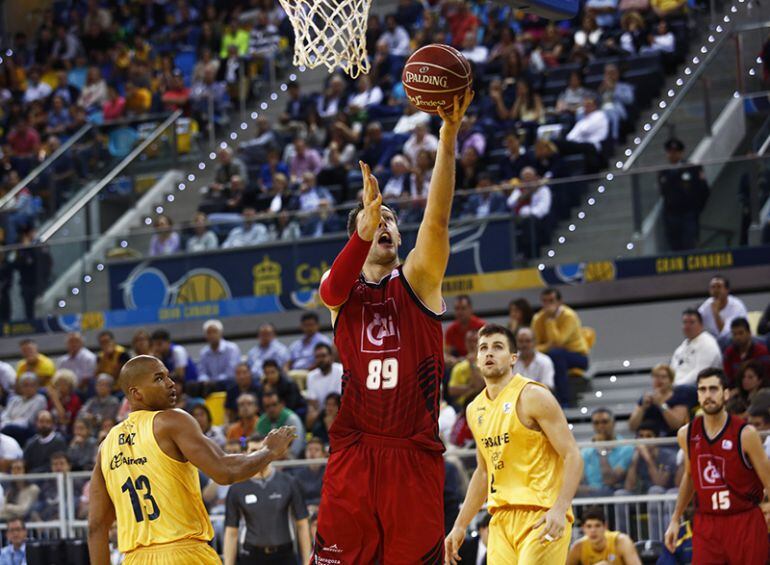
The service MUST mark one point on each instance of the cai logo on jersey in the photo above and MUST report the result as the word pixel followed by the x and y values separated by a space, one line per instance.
pixel 379 327
pixel 711 470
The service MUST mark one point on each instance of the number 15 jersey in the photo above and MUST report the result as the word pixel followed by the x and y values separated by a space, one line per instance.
pixel 391 348
pixel 157 499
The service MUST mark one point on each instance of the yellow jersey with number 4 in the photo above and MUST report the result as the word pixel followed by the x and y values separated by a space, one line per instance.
pixel 157 499
pixel 523 468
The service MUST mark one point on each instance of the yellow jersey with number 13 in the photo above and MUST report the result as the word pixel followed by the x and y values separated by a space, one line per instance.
pixel 157 499
pixel 523 468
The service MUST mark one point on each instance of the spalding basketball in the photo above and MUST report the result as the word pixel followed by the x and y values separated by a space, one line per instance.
pixel 434 75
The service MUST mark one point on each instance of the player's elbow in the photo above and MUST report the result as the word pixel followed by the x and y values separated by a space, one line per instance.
pixel 98 528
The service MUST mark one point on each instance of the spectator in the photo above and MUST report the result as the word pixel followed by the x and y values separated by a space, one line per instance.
pixel 94 93
pixel 302 351
pixel 474 549
pixel 667 407
pixel 49 492
pixel 174 356
pixel 266 505
pixel 302 159
pixel 721 308
pixel 202 414
pixel 474 52
pixel 251 232
pixel 759 417
pixel 79 360
pixel 604 468
pixel 20 497
pixel 46 442
pixel 516 158
pixel 20 414
pixel 662 40
pixel 33 263
pixel 23 143
pixel 7 378
pixel 34 362
pixel 140 343
pixel 528 107
pixel 82 448
pixel 333 100
pixel 276 415
pixel 297 106
pixel 530 363
pixel 177 95
pixel 325 379
pixel 67 46
pixel 209 94
pixel 244 383
pixel 218 357
pixel 603 546
pixel 571 99
pixel 519 314
pixel 461 21
pixel 268 347
pixel 698 351
pixel 59 117
pixel 684 191
pixel 485 201
pixel 325 420
pixel 270 170
pixel 273 380
pixel 400 183
pixel 763 326
pixel 63 403
pixel 588 135
pixel 396 37
pixel 203 238
pixel 310 477
pixel 235 199
pixel 420 140
pixel 228 166
pixel 366 95
pixel 114 106
pixel 742 349
pixel 138 99
pixel 465 380
pixel 455 335
pixel 16 550
pixel 616 96
pixel 111 356
pixel 165 241
pixel 103 406
pixel 531 202
pixel 559 334
pixel 751 379
pixel 246 424
pixel 36 89
pixel 10 451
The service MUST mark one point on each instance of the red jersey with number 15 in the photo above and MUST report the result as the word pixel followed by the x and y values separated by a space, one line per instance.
pixel 725 482
pixel 391 348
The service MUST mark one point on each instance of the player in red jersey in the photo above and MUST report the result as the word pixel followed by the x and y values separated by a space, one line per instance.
pixel 726 469
pixel 382 499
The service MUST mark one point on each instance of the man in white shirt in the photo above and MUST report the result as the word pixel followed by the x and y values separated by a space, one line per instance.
pixel 400 182
pixel 698 351
pixel 587 135
pixel 473 51
pixel 219 357
pixel 250 233
pixel 36 89
pixel 268 347
pixel 322 381
pixel 530 198
pixel 78 359
pixel 396 37
pixel 721 309
pixel 421 139
pixel 530 362
pixel 366 95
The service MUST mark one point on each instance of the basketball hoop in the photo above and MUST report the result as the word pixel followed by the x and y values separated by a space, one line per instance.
pixel 331 33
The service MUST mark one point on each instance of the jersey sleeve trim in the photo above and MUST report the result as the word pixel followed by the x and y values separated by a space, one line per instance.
pixel 745 460
pixel 427 311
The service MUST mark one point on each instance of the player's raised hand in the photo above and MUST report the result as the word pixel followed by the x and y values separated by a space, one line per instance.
pixel 453 119
pixel 279 440
pixel 452 545
pixel 670 537
pixel 372 213
pixel 553 522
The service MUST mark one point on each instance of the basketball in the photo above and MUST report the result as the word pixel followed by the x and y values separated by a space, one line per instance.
pixel 434 75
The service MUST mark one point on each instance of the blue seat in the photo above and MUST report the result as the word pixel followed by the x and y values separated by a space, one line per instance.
pixel 122 141
pixel 185 62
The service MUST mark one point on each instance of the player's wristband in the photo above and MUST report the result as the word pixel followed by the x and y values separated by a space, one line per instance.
pixel 347 266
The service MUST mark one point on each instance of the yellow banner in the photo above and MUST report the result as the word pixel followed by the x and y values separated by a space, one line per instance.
pixel 516 279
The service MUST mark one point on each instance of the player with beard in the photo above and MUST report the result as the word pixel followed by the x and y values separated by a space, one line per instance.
pixel 725 469
pixel 146 477
pixel 382 499
pixel 528 464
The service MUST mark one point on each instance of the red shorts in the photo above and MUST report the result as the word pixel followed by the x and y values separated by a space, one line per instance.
pixel 382 502
pixel 735 539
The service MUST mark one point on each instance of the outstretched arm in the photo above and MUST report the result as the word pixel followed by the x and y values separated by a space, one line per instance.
pixel 101 515
pixel 426 264
pixel 686 491
pixel 178 430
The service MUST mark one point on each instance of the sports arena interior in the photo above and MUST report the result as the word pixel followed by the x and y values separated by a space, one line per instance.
pixel 172 184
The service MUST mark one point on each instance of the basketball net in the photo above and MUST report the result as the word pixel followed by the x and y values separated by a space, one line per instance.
pixel 331 33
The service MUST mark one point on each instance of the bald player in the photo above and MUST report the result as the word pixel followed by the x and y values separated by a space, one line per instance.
pixel 146 476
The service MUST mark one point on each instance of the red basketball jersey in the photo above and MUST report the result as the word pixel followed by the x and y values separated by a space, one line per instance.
pixel 391 348
pixel 725 482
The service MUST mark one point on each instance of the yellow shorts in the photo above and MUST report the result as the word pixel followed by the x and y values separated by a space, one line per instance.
pixel 512 541
pixel 176 553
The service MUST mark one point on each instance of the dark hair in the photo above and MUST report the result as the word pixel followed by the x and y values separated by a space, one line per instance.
pixel 526 310
pixel 160 335
pixel 243 364
pixel 19 520
pixel 760 412
pixel 649 425
pixel 494 329
pixel 352 224
pixel 692 312
pixel 205 408
pixel 336 396
pixel 325 346
pixel 724 280
pixel 107 333
pixel 603 410
pixel 309 316
pixel 593 513
pixel 271 363
pixel 551 290
pixel 712 372
pixel 757 367
pixel 737 405
pixel 275 393
pixel 26 341
pixel 316 439
pixel 461 297
pixel 740 323
pixel 59 455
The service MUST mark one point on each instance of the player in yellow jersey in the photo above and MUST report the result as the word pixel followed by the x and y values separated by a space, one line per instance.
pixel 599 546
pixel 146 476
pixel 529 466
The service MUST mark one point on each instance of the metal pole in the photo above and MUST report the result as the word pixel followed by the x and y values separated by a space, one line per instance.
pixel 707 118
pixel 62 505
pixel 174 140
pixel 713 10
pixel 636 204
pixel 242 89
pixel 739 62
pixel 756 172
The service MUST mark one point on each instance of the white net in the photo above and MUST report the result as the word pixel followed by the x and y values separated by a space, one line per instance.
pixel 331 33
